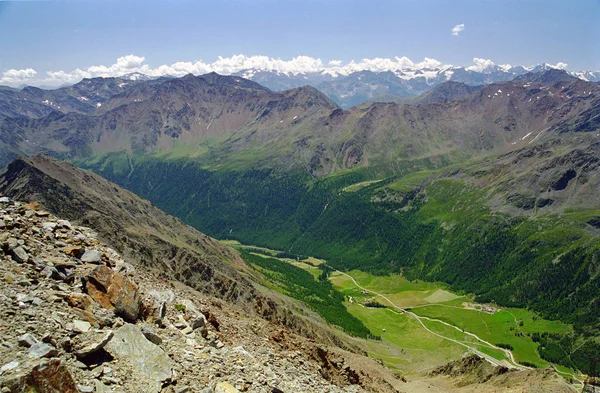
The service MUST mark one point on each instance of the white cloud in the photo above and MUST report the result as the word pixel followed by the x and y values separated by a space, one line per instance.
pixel 560 65
pixel 457 29
pixel 480 64
pixel 17 77
pixel 402 66
pixel 429 63
pixel 223 65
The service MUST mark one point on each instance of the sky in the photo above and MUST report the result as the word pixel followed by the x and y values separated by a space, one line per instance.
pixel 54 42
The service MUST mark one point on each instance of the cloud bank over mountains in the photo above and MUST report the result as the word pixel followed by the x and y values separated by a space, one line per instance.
pixel 236 63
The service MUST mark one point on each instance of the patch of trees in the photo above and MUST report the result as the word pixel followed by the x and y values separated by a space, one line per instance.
pixel 570 350
pixel 318 294
pixel 374 304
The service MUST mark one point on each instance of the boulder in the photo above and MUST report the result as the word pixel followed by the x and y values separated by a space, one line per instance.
pixel 73 251
pixel 49 376
pixel 91 256
pixel 149 360
pixel 42 350
pixel 113 291
pixel 225 387
pixel 19 254
pixel 27 340
pixel 154 304
pixel 151 335
pixel 91 342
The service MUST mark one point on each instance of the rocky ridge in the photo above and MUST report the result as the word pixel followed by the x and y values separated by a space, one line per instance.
pixel 148 237
pixel 76 317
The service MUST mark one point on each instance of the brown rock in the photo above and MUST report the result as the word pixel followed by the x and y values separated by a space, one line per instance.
pixel 81 301
pixel 74 251
pixel 113 291
pixel 33 206
pixel 49 376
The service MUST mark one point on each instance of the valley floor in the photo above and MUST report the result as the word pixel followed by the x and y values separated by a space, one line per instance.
pixel 424 325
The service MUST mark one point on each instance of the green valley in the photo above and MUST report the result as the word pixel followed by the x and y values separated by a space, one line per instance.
pixel 419 324
pixel 456 224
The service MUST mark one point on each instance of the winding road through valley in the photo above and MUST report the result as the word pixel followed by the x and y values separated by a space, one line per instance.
pixel 511 363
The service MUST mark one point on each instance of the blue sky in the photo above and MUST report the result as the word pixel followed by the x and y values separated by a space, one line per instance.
pixel 65 35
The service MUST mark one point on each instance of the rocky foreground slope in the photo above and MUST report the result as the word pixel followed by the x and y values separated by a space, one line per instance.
pixel 76 317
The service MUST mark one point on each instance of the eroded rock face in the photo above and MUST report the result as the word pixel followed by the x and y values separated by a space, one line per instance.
pixel 113 291
pixel 147 359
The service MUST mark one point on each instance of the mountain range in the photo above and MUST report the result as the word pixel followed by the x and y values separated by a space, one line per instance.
pixel 348 88
pixel 491 189
pixel 220 119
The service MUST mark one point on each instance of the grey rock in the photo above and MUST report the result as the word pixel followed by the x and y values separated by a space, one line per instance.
pixel 22 298
pixel 148 359
pixel 90 342
pixel 19 254
pixel 151 335
pixel 91 256
pixel 199 322
pixel 182 389
pixel 42 350
pixel 49 226
pixel 64 224
pixel 4 199
pixel 80 326
pixel 9 366
pixel 85 388
pixel 50 272
pixel 27 340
